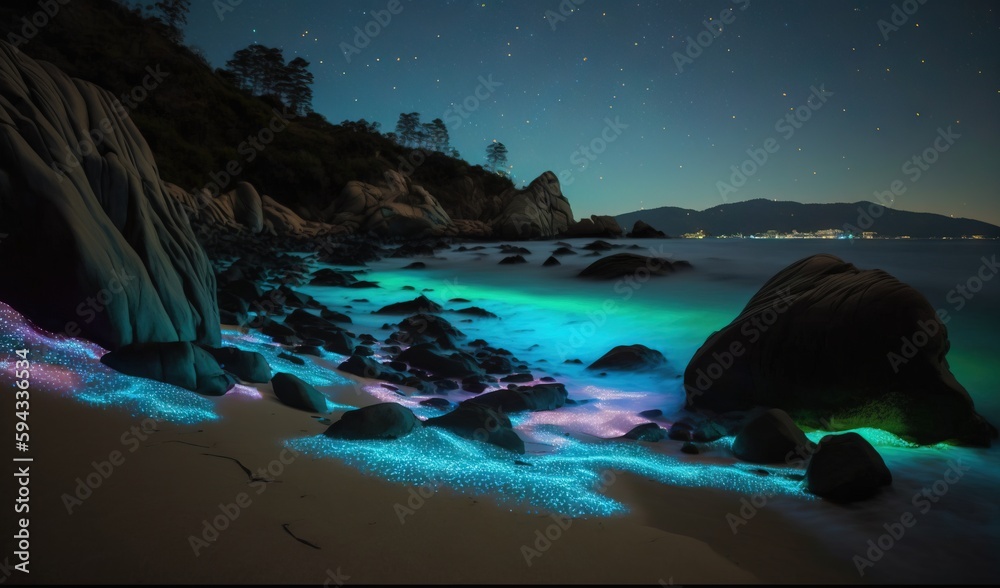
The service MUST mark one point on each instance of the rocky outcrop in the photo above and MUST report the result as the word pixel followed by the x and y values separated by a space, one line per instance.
pixel 395 208
pixel 245 210
pixel 113 259
pixel 538 212
pixel 827 343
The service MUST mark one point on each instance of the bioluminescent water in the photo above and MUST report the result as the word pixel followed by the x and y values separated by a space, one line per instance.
pixel 547 318
pixel 72 367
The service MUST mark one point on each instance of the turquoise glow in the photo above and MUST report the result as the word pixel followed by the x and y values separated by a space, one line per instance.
pixel 316 373
pixel 567 480
pixel 72 367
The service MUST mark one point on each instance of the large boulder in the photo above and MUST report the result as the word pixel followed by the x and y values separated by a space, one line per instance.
pixel 179 363
pixel 247 207
pixel 113 259
pixel 380 421
pixel 846 468
pixel 824 341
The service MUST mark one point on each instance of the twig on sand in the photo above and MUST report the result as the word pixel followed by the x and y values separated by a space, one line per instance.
pixel 249 474
pixel 300 540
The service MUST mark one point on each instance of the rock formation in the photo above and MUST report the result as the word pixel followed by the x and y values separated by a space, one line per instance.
pixel 826 342
pixel 105 254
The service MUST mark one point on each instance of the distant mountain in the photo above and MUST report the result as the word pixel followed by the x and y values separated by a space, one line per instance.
pixel 760 216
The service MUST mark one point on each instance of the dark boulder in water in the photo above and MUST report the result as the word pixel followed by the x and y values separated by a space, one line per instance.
pixel 525 399
pixel 629 358
pixel 846 468
pixel 480 423
pixel 771 437
pixel 551 262
pixel 427 328
pixel 429 357
pixel 825 341
pixel 380 421
pixel 641 267
pixel 513 260
pixel 419 305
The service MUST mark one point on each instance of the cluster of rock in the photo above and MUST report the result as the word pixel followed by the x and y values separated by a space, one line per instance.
pixel 398 208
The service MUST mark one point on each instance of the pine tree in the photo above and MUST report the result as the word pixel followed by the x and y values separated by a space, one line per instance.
pixel 496 156
pixel 409 129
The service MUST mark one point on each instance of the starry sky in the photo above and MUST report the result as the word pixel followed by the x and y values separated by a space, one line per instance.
pixel 655 103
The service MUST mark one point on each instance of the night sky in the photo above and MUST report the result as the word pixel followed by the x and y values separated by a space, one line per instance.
pixel 673 127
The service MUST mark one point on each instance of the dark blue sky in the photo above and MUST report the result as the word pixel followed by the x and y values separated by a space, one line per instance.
pixel 601 95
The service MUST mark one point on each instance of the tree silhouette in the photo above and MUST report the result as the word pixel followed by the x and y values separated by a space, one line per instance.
pixel 295 86
pixel 496 156
pixel 262 71
pixel 173 15
pixel 409 129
